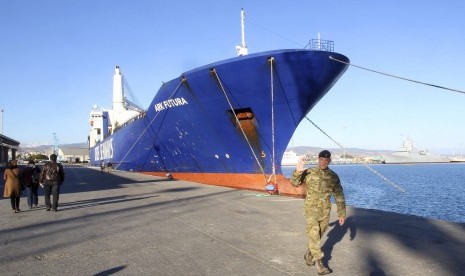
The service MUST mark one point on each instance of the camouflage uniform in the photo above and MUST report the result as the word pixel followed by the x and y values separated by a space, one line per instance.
pixel 321 184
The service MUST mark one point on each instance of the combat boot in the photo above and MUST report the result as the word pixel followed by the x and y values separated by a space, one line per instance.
pixel 308 258
pixel 321 268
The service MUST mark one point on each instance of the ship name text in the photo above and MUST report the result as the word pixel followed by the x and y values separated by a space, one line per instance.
pixel 170 103
pixel 104 150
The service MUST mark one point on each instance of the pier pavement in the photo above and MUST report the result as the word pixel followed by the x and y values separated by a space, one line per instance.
pixel 132 224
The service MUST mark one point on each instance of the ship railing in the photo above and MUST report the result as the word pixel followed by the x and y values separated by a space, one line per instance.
pixel 321 45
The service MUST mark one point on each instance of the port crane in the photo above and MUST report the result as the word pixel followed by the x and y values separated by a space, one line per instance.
pixel 55 143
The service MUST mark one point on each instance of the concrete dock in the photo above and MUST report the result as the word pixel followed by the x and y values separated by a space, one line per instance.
pixel 132 224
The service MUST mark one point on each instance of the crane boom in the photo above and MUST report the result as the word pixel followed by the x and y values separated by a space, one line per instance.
pixel 55 143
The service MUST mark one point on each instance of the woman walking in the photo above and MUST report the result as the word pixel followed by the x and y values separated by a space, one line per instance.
pixel 12 185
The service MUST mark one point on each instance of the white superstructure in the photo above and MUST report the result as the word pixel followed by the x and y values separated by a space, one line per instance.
pixel 105 122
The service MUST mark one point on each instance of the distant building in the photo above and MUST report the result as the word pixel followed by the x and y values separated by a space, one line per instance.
pixel 69 153
pixel 374 159
pixel 73 155
pixel 8 148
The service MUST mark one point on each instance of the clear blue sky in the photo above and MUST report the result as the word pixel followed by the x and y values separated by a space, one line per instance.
pixel 57 60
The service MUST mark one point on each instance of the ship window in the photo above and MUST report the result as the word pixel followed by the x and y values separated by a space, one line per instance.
pixel 98 130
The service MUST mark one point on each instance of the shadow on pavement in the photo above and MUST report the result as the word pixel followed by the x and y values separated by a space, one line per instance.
pixel 86 179
pixel 111 271
pixel 422 237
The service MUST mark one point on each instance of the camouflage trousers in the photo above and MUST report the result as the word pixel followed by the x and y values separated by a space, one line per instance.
pixel 316 227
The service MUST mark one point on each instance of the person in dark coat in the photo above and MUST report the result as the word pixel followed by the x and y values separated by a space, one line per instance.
pixel 30 180
pixel 51 178
pixel 109 166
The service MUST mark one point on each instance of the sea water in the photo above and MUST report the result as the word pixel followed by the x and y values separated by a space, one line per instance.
pixel 427 190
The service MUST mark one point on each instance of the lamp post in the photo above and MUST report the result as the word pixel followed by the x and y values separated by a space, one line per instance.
pixel 1 150
pixel 2 119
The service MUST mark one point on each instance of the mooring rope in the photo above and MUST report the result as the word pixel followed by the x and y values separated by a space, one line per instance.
pixel 183 79
pixel 385 179
pixel 398 77
pixel 322 131
pixel 273 158
pixel 237 121
pixel 368 167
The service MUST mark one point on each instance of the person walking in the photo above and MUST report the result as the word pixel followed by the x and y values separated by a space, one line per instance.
pixel 12 185
pixel 102 166
pixel 321 183
pixel 52 177
pixel 30 180
pixel 109 166
pixel 35 184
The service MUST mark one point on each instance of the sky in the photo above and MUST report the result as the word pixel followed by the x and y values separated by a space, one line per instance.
pixel 57 60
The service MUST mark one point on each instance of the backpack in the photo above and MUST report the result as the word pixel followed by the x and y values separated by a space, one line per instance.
pixel 35 175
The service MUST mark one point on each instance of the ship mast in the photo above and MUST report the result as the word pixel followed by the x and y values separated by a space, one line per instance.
pixel 242 49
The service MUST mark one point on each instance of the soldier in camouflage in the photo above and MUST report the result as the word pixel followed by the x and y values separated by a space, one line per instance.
pixel 321 183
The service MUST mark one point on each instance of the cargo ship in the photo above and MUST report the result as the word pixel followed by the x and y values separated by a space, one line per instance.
pixel 290 158
pixel 227 123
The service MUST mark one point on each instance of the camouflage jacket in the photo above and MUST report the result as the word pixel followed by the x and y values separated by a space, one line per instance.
pixel 321 184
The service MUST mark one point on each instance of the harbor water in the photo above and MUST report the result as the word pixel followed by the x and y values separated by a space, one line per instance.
pixel 428 190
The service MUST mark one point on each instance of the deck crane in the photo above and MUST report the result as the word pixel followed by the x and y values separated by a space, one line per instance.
pixel 55 143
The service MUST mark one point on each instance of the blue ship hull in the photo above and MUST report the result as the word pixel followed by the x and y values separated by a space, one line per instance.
pixel 214 124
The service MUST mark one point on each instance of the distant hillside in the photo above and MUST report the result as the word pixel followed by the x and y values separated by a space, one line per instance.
pixel 75 145
pixel 47 148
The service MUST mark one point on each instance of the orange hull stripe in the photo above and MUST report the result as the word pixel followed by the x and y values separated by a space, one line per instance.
pixel 254 182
